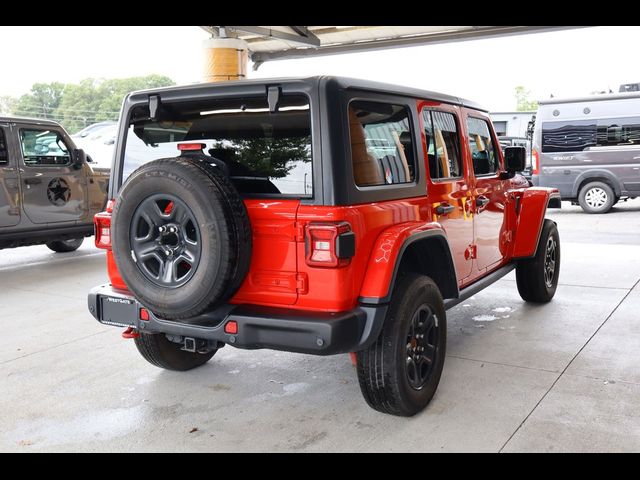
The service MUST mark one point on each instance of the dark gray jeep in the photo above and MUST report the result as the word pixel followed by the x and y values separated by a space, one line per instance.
pixel 49 191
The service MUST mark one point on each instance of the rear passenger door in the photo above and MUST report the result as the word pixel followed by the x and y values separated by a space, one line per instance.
pixel 9 189
pixel 448 181
pixel 489 192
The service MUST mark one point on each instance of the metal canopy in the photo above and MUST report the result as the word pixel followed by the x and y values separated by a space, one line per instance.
pixel 283 42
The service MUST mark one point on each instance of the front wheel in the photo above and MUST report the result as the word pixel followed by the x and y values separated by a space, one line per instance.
pixel 400 372
pixel 537 277
pixel 62 246
pixel 158 351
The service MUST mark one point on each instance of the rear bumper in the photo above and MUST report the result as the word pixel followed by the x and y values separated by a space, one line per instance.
pixel 316 333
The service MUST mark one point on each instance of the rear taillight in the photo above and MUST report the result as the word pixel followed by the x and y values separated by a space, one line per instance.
pixel 329 244
pixel 535 162
pixel 102 224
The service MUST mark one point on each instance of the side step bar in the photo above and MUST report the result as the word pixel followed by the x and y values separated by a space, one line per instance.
pixel 481 284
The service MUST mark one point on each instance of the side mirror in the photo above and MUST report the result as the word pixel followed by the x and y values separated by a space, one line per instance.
pixel 515 159
pixel 79 158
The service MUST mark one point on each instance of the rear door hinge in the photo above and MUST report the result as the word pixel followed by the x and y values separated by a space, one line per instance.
pixel 302 283
pixel 298 228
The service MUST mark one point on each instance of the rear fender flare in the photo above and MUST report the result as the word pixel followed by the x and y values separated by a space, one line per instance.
pixel 387 256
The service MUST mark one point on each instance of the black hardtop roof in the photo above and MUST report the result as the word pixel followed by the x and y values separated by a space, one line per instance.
pixel 34 121
pixel 341 82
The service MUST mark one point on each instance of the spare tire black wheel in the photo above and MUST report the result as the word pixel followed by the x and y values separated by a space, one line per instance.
pixel 181 237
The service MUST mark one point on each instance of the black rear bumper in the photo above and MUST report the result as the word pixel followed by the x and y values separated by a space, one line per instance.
pixel 290 330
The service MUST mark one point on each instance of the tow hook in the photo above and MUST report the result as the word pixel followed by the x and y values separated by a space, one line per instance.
pixel 130 332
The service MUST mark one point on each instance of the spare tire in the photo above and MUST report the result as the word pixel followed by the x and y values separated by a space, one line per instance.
pixel 181 237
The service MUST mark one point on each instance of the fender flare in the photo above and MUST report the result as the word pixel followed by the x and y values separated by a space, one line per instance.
pixel 595 174
pixel 387 256
pixel 532 208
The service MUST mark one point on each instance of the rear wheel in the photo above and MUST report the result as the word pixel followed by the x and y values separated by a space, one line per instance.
pixel 62 246
pixel 158 351
pixel 400 372
pixel 596 197
pixel 537 277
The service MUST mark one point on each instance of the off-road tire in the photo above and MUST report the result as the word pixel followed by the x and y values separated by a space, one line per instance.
pixel 223 228
pixel 530 273
pixel 383 368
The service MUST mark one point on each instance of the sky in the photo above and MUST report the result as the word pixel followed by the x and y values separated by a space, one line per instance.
pixel 565 63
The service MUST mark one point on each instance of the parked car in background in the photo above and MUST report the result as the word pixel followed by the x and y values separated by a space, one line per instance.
pixel 99 145
pixel 48 191
pixel 589 148
pixel 92 129
pixel 213 240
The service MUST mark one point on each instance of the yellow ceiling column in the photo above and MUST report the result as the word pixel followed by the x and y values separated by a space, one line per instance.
pixel 225 59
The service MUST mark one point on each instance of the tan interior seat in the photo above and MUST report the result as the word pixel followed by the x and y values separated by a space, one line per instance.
pixel 443 160
pixel 366 168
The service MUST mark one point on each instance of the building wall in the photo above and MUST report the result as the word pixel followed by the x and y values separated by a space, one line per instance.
pixel 515 123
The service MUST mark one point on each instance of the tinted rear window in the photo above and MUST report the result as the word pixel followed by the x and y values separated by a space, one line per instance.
pixel 265 153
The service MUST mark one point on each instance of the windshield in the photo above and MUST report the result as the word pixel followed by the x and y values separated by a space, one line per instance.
pixel 265 153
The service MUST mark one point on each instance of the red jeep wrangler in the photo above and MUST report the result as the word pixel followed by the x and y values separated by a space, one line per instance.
pixel 320 215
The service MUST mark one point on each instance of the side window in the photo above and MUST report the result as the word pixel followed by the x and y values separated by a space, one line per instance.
pixel 43 147
pixel 618 132
pixel 483 152
pixel 443 146
pixel 382 148
pixel 572 136
pixel 4 154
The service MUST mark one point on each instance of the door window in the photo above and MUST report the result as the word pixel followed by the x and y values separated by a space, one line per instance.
pixel 443 145
pixel 483 151
pixel 43 147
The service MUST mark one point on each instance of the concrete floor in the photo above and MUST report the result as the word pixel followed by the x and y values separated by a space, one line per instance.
pixel 559 377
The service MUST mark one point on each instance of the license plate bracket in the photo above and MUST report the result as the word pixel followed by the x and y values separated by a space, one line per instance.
pixel 120 312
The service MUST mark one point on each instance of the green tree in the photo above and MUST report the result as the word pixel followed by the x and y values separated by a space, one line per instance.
pixel 96 100
pixel 523 104
pixel 7 104
pixel 42 101
pixel 89 101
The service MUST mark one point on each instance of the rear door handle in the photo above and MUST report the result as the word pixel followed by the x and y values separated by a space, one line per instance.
pixel 444 209
pixel 32 181
pixel 481 201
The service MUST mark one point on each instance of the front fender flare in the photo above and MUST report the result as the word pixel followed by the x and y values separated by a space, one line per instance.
pixel 532 210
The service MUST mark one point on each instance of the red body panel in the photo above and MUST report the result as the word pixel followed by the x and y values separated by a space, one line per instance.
pixel 272 277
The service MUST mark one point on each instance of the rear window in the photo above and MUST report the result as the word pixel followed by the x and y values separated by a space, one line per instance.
pixel 265 153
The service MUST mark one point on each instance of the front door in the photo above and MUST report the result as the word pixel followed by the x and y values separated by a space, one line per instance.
pixel 448 183
pixel 53 190
pixel 489 194
pixel 9 190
